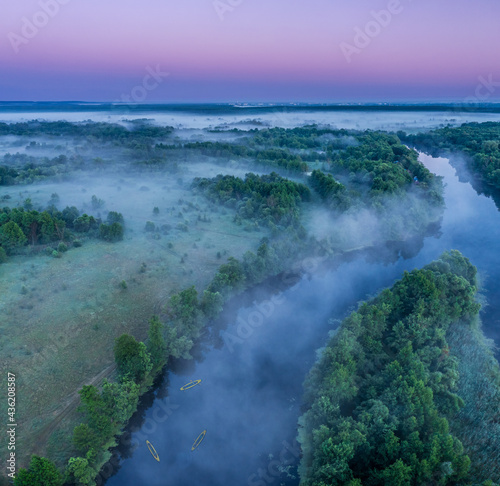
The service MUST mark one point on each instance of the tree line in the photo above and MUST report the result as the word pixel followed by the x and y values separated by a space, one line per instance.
pixel 24 226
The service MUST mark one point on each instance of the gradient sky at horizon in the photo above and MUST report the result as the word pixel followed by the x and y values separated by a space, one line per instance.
pixel 256 50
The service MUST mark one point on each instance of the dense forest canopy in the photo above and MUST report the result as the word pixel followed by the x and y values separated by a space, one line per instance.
pixel 268 199
pixel 381 396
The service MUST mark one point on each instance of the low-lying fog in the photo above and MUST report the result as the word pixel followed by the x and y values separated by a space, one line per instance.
pixel 390 121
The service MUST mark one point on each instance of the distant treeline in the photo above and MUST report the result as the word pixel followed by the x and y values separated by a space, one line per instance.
pixel 96 130
pixel 381 398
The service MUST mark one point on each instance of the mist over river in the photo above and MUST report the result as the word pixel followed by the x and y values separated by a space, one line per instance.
pixel 249 398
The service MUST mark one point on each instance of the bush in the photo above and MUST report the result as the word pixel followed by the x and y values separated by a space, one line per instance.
pixel 123 284
pixel 77 243
pixel 85 223
pixel 56 254
pixel 111 232
pixel 114 217
pixel 96 203
pixel 150 226
pixel 156 210
pixel 3 255
pixel 165 228
pixel 62 247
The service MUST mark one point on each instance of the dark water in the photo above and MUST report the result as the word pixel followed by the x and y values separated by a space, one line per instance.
pixel 252 372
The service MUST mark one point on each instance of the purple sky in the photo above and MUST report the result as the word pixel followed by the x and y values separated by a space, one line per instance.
pixel 249 50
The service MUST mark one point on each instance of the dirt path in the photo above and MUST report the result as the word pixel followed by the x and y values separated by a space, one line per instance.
pixel 70 404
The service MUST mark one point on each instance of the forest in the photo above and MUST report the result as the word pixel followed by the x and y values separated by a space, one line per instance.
pixel 384 400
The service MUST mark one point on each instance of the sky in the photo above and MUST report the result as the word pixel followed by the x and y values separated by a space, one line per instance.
pixel 249 50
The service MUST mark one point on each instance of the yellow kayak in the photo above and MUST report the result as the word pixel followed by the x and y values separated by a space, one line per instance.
pixel 153 451
pixel 198 440
pixel 191 384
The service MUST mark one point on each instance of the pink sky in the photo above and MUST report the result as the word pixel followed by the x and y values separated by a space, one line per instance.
pixel 249 50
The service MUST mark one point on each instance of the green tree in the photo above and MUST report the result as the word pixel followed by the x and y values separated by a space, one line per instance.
pixel 81 471
pixel 132 358
pixel 41 472
pixel 12 236
pixel 397 474
pixel 211 304
pixel 184 310
pixel 111 232
pixel 85 438
pixel 156 343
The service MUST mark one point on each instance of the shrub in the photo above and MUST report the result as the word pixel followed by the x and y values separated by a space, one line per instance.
pixel 77 243
pixel 3 255
pixel 150 226
pixel 96 202
pixel 111 232
pixel 62 247
pixel 114 217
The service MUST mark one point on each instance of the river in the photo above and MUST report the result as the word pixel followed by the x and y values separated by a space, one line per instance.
pixel 248 401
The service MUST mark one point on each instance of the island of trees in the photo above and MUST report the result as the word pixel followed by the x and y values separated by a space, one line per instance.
pixel 391 400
